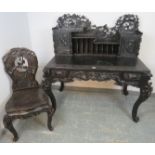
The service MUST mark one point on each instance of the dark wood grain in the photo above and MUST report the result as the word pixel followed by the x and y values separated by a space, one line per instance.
pixel 137 76
pixel 28 98
pixel 88 52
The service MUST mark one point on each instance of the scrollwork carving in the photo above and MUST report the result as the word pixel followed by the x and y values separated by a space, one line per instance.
pixel 127 22
pixel 105 33
pixel 98 76
pixel 71 21
pixel 62 75
pixel 21 64
pixel 136 79
pixel 125 34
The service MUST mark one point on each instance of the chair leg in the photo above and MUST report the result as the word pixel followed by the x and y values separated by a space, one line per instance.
pixel 8 125
pixel 49 120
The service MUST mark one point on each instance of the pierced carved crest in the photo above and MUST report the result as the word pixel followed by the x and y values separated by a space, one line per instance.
pixel 21 64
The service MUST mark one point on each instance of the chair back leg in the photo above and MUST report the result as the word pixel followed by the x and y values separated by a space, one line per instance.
pixel 49 119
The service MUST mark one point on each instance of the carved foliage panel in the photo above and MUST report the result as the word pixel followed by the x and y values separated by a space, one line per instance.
pixel 129 44
pixel 126 24
pixel 62 41
pixel 63 75
pixel 21 64
pixel 133 79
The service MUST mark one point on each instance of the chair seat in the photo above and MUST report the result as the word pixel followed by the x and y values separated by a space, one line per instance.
pixel 27 100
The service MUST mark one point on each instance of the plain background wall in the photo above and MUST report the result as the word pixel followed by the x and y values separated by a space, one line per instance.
pixel 40 25
pixel 34 31
pixel 14 32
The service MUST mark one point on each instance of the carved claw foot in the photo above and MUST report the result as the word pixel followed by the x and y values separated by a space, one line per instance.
pixel 135 119
pixel 15 139
pixel 50 128
pixel 8 125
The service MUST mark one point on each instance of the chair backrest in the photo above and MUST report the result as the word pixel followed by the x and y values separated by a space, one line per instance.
pixel 21 64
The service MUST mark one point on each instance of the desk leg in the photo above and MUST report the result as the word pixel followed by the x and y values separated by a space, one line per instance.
pixel 125 91
pixel 145 92
pixel 61 86
pixel 46 84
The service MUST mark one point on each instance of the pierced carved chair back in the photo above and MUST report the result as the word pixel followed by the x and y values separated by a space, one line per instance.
pixel 21 64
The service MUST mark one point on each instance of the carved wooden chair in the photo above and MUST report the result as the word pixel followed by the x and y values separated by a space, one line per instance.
pixel 28 98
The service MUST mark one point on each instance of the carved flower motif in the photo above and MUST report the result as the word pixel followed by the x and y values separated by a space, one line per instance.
pixel 74 20
pixel 127 22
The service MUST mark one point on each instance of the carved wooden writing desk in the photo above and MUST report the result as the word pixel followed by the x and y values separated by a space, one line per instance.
pixel 87 52
pixel 137 76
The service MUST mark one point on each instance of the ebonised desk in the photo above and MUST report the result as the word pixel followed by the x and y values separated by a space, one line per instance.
pixel 66 69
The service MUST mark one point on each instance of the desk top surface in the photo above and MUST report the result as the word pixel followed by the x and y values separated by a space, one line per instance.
pixel 70 64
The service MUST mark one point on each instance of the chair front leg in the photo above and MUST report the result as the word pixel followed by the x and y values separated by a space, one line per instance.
pixel 46 85
pixel 7 120
pixel 49 119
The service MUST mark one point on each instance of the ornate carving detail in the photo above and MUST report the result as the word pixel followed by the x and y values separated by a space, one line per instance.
pixel 105 33
pixel 46 85
pixel 119 44
pixel 146 90
pixel 8 120
pixel 132 46
pixel 129 79
pixel 74 34
pixel 145 86
pixel 66 76
pixel 137 79
pixel 127 22
pixel 47 73
pixel 130 43
pixel 99 76
pixel 21 64
pixel 62 40
pixel 73 21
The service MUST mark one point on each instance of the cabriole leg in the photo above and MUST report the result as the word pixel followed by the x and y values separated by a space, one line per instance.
pixel 46 85
pixel 49 120
pixel 8 125
pixel 145 92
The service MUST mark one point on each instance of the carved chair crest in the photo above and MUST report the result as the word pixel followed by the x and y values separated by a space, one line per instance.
pixel 21 64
